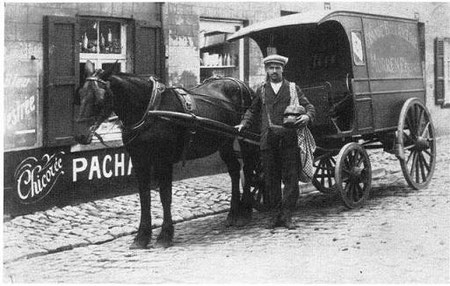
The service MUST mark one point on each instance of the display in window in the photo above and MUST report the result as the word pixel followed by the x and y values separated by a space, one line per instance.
pixel 100 37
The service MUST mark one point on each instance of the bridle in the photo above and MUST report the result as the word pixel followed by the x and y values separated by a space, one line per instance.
pixel 98 120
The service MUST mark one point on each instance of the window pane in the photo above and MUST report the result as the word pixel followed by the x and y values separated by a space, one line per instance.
pixel 358 55
pixel 88 41
pixel 110 41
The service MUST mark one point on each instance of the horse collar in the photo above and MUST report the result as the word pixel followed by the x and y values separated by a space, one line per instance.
pixel 153 104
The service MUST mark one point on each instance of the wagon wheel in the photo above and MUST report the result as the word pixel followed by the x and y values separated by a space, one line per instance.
pixel 323 178
pixel 256 185
pixel 353 175
pixel 257 188
pixel 416 144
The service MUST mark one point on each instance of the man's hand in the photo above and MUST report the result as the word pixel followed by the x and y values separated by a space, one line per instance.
pixel 240 127
pixel 302 120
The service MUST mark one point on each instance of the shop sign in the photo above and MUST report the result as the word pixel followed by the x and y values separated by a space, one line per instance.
pixel 35 178
pixel 101 166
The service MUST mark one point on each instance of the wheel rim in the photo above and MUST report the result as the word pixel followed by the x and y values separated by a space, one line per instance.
pixel 416 144
pixel 353 175
pixel 323 178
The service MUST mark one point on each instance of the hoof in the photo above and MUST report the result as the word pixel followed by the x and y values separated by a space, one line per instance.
pixel 231 221
pixel 243 221
pixel 165 238
pixel 163 244
pixel 140 244
pixel 282 221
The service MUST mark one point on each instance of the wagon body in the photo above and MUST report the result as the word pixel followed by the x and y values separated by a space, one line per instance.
pixel 357 69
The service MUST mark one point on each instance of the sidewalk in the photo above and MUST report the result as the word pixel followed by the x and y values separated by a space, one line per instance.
pixel 101 221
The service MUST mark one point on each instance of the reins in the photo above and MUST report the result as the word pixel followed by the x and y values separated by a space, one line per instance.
pixel 93 128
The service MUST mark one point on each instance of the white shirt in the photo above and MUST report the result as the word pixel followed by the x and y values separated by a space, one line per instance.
pixel 276 86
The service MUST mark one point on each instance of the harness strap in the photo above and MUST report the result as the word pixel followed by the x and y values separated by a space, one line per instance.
pixel 186 100
pixel 153 104
pixel 190 107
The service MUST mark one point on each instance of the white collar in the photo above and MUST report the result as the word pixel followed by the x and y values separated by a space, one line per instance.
pixel 276 86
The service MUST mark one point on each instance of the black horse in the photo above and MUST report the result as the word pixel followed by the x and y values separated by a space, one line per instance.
pixel 155 144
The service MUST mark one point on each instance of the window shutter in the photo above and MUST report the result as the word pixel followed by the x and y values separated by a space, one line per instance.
pixel 439 71
pixel 61 76
pixel 148 49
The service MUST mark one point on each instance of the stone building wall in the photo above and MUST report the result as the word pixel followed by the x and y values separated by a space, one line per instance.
pixel 182 43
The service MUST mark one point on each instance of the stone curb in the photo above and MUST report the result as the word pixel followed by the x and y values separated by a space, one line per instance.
pixel 101 221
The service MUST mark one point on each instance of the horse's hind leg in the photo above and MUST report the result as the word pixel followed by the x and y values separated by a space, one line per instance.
pixel 163 174
pixel 235 216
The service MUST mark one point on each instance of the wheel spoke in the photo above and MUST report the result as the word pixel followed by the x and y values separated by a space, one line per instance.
pixel 417 168
pixel 356 193
pixel 330 174
pixel 428 152
pixel 413 166
pixel 346 189
pixel 351 194
pixel 360 160
pixel 422 167
pixel 419 121
pixel 411 125
pixel 409 147
pixel 407 137
pixel 425 129
pixel 360 191
pixel 425 163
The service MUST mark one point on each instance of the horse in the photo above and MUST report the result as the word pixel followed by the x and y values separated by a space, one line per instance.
pixel 155 144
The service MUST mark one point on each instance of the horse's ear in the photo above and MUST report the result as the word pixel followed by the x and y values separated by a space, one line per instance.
pixel 115 68
pixel 89 68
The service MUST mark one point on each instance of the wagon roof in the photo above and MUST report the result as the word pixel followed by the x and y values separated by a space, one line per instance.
pixel 311 17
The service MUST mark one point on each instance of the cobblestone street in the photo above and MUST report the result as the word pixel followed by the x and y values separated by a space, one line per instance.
pixel 399 236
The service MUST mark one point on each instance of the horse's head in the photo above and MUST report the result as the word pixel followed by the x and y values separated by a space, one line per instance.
pixel 96 103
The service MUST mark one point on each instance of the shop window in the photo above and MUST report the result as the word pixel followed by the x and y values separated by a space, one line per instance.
pixel 69 42
pixel 103 42
pixel 442 72
pixel 217 56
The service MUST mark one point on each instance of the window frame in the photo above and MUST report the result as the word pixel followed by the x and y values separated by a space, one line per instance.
pixel 241 45
pixel 101 58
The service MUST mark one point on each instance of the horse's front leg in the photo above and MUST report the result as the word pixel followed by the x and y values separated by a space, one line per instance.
pixel 250 157
pixel 164 176
pixel 235 216
pixel 144 234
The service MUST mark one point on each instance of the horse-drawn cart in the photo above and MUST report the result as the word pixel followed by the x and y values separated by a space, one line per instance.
pixel 364 75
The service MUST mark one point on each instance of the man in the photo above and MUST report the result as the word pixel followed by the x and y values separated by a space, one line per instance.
pixel 279 145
